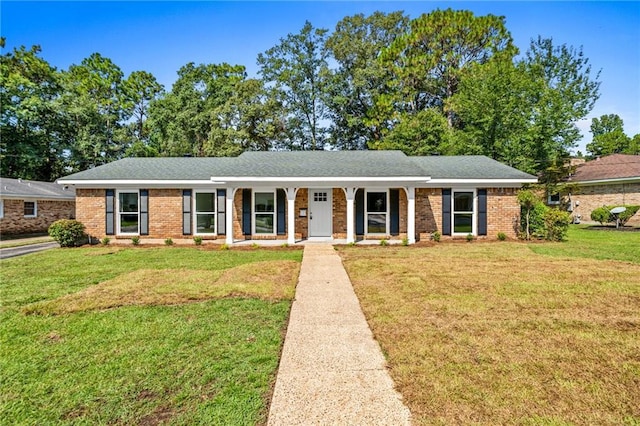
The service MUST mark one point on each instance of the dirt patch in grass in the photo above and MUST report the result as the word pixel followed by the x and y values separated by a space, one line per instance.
pixel 495 334
pixel 270 280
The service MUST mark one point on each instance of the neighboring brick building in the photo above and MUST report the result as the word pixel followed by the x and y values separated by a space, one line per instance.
pixel 28 207
pixel 613 180
pixel 347 195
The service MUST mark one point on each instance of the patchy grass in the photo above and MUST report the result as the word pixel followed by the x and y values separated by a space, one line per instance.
pixel 493 333
pixel 199 342
pixel 595 244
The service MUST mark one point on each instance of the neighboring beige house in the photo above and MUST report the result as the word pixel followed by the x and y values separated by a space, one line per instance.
pixel 314 195
pixel 613 180
pixel 28 207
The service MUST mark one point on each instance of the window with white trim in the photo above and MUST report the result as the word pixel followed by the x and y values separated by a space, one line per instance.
pixel 264 212
pixel 128 212
pixel 1 209
pixel 463 211
pixel 553 198
pixel 30 209
pixel 377 214
pixel 205 212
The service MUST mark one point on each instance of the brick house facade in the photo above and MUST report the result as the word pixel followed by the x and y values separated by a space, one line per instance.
pixel 30 207
pixel 291 196
pixel 613 180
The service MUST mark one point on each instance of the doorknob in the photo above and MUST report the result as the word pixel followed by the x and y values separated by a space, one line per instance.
pixel 310 215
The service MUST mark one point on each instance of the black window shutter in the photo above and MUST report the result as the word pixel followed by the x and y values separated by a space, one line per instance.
pixel 281 202
pixel 394 210
pixel 109 211
pixel 186 212
pixel 144 212
pixel 246 211
pixel 446 211
pixel 359 211
pixel 482 212
pixel 222 209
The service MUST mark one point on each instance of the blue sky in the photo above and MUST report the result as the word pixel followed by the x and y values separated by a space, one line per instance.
pixel 160 37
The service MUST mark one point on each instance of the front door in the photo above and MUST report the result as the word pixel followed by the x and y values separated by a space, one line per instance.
pixel 320 209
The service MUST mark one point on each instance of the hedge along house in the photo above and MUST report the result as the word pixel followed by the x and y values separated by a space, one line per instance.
pixel 28 206
pixel 323 195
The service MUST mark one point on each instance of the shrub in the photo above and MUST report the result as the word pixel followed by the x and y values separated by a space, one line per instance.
pixel 224 246
pixel 66 232
pixel 469 237
pixel 435 236
pixel 384 242
pixel 105 241
pixel 556 224
pixel 502 236
pixel 255 245
pixel 168 242
pixel 197 240
pixel 284 245
pixel 602 215
pixel 405 241
pixel 135 241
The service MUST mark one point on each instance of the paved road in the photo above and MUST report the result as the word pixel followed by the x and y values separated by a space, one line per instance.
pixel 6 253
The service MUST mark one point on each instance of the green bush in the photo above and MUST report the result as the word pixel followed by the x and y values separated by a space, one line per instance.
pixel 384 242
pixel 405 241
pixel 135 241
pixel 556 224
pixel 68 233
pixel 436 237
pixel 602 215
pixel 502 236
pixel 168 242
pixel 197 240
pixel 470 237
pixel 105 241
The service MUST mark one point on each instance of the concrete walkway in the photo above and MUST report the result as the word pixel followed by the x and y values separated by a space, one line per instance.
pixel 332 371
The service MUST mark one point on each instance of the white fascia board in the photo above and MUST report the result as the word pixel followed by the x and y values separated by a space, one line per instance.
pixel 476 182
pixel 606 181
pixel 37 197
pixel 262 180
pixel 137 183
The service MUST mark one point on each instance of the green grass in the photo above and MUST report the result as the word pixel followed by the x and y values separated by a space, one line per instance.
pixel 598 244
pixel 207 362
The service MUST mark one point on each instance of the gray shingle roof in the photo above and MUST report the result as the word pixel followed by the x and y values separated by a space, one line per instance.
pixel 310 164
pixel 19 188
pixel 468 167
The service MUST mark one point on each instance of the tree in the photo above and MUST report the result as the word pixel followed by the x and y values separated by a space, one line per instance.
pixel 297 69
pixel 140 89
pixel 360 77
pixel 608 136
pixel 430 60
pixel 97 109
pixel 567 94
pixel 31 144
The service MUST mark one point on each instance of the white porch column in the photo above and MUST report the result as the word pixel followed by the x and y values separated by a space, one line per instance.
pixel 229 215
pixel 350 194
pixel 291 215
pixel 411 214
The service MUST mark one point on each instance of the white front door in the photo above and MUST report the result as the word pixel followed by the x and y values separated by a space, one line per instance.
pixel 320 212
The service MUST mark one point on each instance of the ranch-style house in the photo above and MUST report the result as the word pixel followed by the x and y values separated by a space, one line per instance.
pixel 299 195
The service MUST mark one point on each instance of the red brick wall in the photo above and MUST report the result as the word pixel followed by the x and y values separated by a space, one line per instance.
pixel 165 213
pixel 14 222
pixel 594 196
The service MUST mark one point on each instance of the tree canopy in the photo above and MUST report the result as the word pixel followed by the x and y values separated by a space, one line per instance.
pixel 448 82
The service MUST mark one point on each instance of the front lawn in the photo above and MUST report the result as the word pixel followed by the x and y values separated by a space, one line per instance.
pixel 508 332
pixel 142 335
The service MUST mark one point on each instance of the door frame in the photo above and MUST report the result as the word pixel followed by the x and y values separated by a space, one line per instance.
pixel 328 225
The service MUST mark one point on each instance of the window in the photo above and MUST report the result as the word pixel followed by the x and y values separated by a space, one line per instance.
pixel 30 209
pixel 319 196
pixel 1 209
pixel 463 212
pixel 377 213
pixel 264 212
pixel 128 213
pixel 553 198
pixel 205 212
